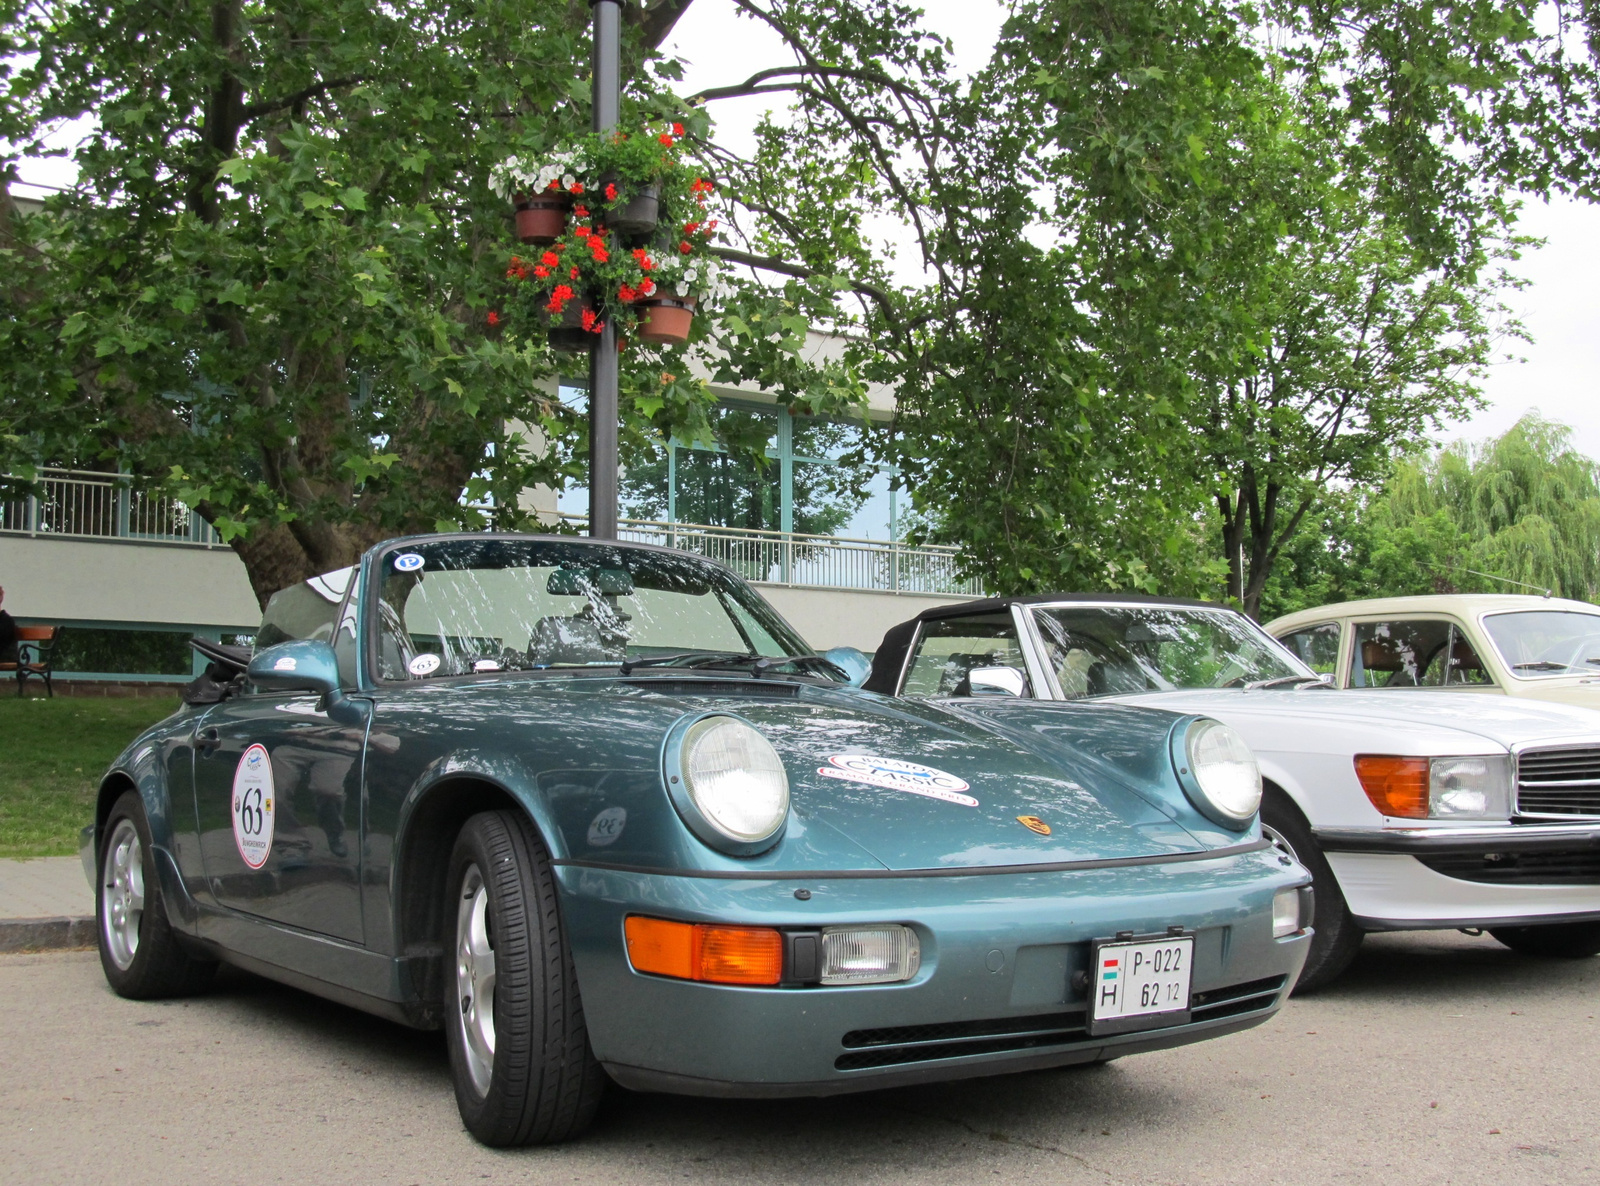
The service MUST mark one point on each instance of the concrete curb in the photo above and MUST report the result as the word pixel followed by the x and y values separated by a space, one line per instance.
pixel 45 934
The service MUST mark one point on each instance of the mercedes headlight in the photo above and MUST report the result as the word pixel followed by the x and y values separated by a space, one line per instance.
pixel 729 785
pixel 1224 781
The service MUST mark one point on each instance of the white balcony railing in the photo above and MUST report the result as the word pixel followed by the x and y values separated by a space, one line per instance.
pixel 82 504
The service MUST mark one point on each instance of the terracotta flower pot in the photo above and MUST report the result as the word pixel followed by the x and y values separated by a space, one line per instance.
pixel 666 319
pixel 638 215
pixel 568 334
pixel 542 218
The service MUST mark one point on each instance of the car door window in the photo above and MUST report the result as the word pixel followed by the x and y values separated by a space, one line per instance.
pixel 1316 646
pixel 947 650
pixel 1414 653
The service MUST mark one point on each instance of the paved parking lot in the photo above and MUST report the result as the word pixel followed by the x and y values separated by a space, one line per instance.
pixel 1441 1058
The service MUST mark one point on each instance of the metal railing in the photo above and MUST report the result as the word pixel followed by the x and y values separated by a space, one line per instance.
pixel 83 504
pixel 824 561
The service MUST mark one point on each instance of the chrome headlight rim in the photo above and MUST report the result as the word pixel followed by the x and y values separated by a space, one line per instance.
pixel 1185 737
pixel 675 758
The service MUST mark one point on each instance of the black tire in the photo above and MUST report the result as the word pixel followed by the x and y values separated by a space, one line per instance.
pixel 143 959
pixel 540 1083
pixel 1557 940
pixel 1335 937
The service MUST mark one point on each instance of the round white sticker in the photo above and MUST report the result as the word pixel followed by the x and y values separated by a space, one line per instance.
pixel 606 827
pixel 896 774
pixel 253 813
pixel 409 562
pixel 423 665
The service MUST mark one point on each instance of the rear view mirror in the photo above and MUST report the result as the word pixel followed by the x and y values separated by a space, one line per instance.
pixel 304 665
pixel 997 681
pixel 850 661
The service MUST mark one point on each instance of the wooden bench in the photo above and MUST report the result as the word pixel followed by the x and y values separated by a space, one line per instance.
pixel 36 646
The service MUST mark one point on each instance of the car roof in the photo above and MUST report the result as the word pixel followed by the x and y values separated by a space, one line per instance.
pixel 993 605
pixel 1462 604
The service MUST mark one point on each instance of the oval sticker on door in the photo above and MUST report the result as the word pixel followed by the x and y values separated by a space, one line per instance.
pixel 253 813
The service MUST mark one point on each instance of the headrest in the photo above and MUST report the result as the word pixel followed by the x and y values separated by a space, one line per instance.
pixel 1381 654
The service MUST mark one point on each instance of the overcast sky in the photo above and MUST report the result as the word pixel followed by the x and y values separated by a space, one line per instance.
pixel 1561 374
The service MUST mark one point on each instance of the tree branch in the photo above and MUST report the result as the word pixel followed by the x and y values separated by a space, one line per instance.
pixel 254 111
pixel 801 272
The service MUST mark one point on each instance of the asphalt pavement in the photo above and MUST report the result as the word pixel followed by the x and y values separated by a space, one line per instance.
pixel 1439 1059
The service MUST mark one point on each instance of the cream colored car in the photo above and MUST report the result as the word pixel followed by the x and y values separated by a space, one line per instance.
pixel 1545 648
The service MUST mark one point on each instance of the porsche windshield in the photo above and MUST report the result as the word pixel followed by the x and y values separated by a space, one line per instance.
pixel 465 606
pixel 1119 650
pixel 1547 642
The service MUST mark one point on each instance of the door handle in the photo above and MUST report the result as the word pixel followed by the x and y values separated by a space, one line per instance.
pixel 209 739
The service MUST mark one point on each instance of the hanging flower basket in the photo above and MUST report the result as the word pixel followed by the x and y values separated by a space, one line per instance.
pixel 665 319
pixel 542 218
pixel 637 215
pixel 576 330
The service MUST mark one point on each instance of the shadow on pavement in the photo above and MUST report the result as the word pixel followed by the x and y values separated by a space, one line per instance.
pixel 1442 965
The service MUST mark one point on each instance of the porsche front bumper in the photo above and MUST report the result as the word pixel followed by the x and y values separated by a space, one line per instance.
pixel 995 991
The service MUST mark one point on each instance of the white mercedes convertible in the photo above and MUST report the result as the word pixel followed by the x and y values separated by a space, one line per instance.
pixel 1427 811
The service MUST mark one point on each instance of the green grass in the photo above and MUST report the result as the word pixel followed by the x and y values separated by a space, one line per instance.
pixel 52 754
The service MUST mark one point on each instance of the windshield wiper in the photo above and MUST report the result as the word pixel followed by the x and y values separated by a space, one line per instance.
pixel 1541 665
pixel 1284 680
pixel 628 665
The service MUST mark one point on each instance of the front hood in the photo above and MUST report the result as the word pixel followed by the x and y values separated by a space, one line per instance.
pixel 1421 716
pixel 921 785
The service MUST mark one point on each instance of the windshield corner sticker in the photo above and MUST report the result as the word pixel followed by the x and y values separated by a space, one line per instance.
pixel 252 806
pixel 606 827
pixel 409 562
pixel 894 774
pixel 423 665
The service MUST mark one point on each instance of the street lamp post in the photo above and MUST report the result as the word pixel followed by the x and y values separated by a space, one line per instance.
pixel 603 417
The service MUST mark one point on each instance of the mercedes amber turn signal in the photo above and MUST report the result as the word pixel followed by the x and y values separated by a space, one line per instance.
pixel 1397 786
pixel 699 951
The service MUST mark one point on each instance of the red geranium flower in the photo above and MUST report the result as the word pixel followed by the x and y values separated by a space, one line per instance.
pixel 647 287
pixel 541 271
pixel 686 247
pixel 665 139
pixel 494 318
pixel 611 193
pixel 574 272
pixel 690 228
pixel 627 295
pixel 589 320
pixel 577 188
pixel 550 259
pixel 581 211
pixel 677 129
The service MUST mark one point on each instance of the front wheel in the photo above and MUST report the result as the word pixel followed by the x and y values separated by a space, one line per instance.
pixel 1558 940
pixel 142 957
pixel 1335 937
pixel 519 1050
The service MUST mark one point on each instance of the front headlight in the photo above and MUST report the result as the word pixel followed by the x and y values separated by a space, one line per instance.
pixel 1437 788
pixel 730 785
pixel 1223 771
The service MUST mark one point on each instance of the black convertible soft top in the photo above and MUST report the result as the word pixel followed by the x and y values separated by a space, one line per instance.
pixel 890 656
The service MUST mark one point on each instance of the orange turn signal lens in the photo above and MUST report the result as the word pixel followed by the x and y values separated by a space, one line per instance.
pixel 698 951
pixel 1397 786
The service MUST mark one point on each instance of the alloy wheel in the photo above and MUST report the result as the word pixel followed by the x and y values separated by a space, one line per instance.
pixel 122 893
pixel 475 978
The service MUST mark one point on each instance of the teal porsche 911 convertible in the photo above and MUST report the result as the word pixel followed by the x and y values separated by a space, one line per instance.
pixel 597 811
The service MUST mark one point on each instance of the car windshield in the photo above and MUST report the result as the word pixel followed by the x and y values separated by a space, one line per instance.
pixel 464 606
pixel 1547 642
pixel 1118 650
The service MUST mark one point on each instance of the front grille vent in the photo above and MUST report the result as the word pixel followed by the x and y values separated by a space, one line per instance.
pixel 897 1045
pixel 1571 867
pixel 1559 782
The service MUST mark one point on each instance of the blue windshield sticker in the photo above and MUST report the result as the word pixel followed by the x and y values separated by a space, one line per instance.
pixel 409 562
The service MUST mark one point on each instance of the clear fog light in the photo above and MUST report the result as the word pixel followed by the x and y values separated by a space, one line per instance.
pixel 869 955
pixel 1285 912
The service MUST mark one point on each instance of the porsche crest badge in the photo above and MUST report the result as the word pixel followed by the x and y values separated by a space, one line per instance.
pixel 1034 824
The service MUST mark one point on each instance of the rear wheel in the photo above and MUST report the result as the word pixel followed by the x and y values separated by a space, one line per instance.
pixel 142 957
pixel 1560 940
pixel 519 1049
pixel 1335 938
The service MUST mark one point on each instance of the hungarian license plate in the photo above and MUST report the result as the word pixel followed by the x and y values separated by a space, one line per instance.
pixel 1138 984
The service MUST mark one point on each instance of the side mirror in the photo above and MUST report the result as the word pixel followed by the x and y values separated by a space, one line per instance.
pixel 850 661
pixel 997 681
pixel 305 665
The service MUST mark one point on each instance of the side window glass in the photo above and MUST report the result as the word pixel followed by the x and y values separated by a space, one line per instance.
pixel 1316 646
pixel 1465 669
pixel 304 611
pixel 947 650
pixel 1406 654
pixel 344 636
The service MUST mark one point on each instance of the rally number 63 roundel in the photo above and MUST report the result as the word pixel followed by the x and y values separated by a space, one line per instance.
pixel 253 797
